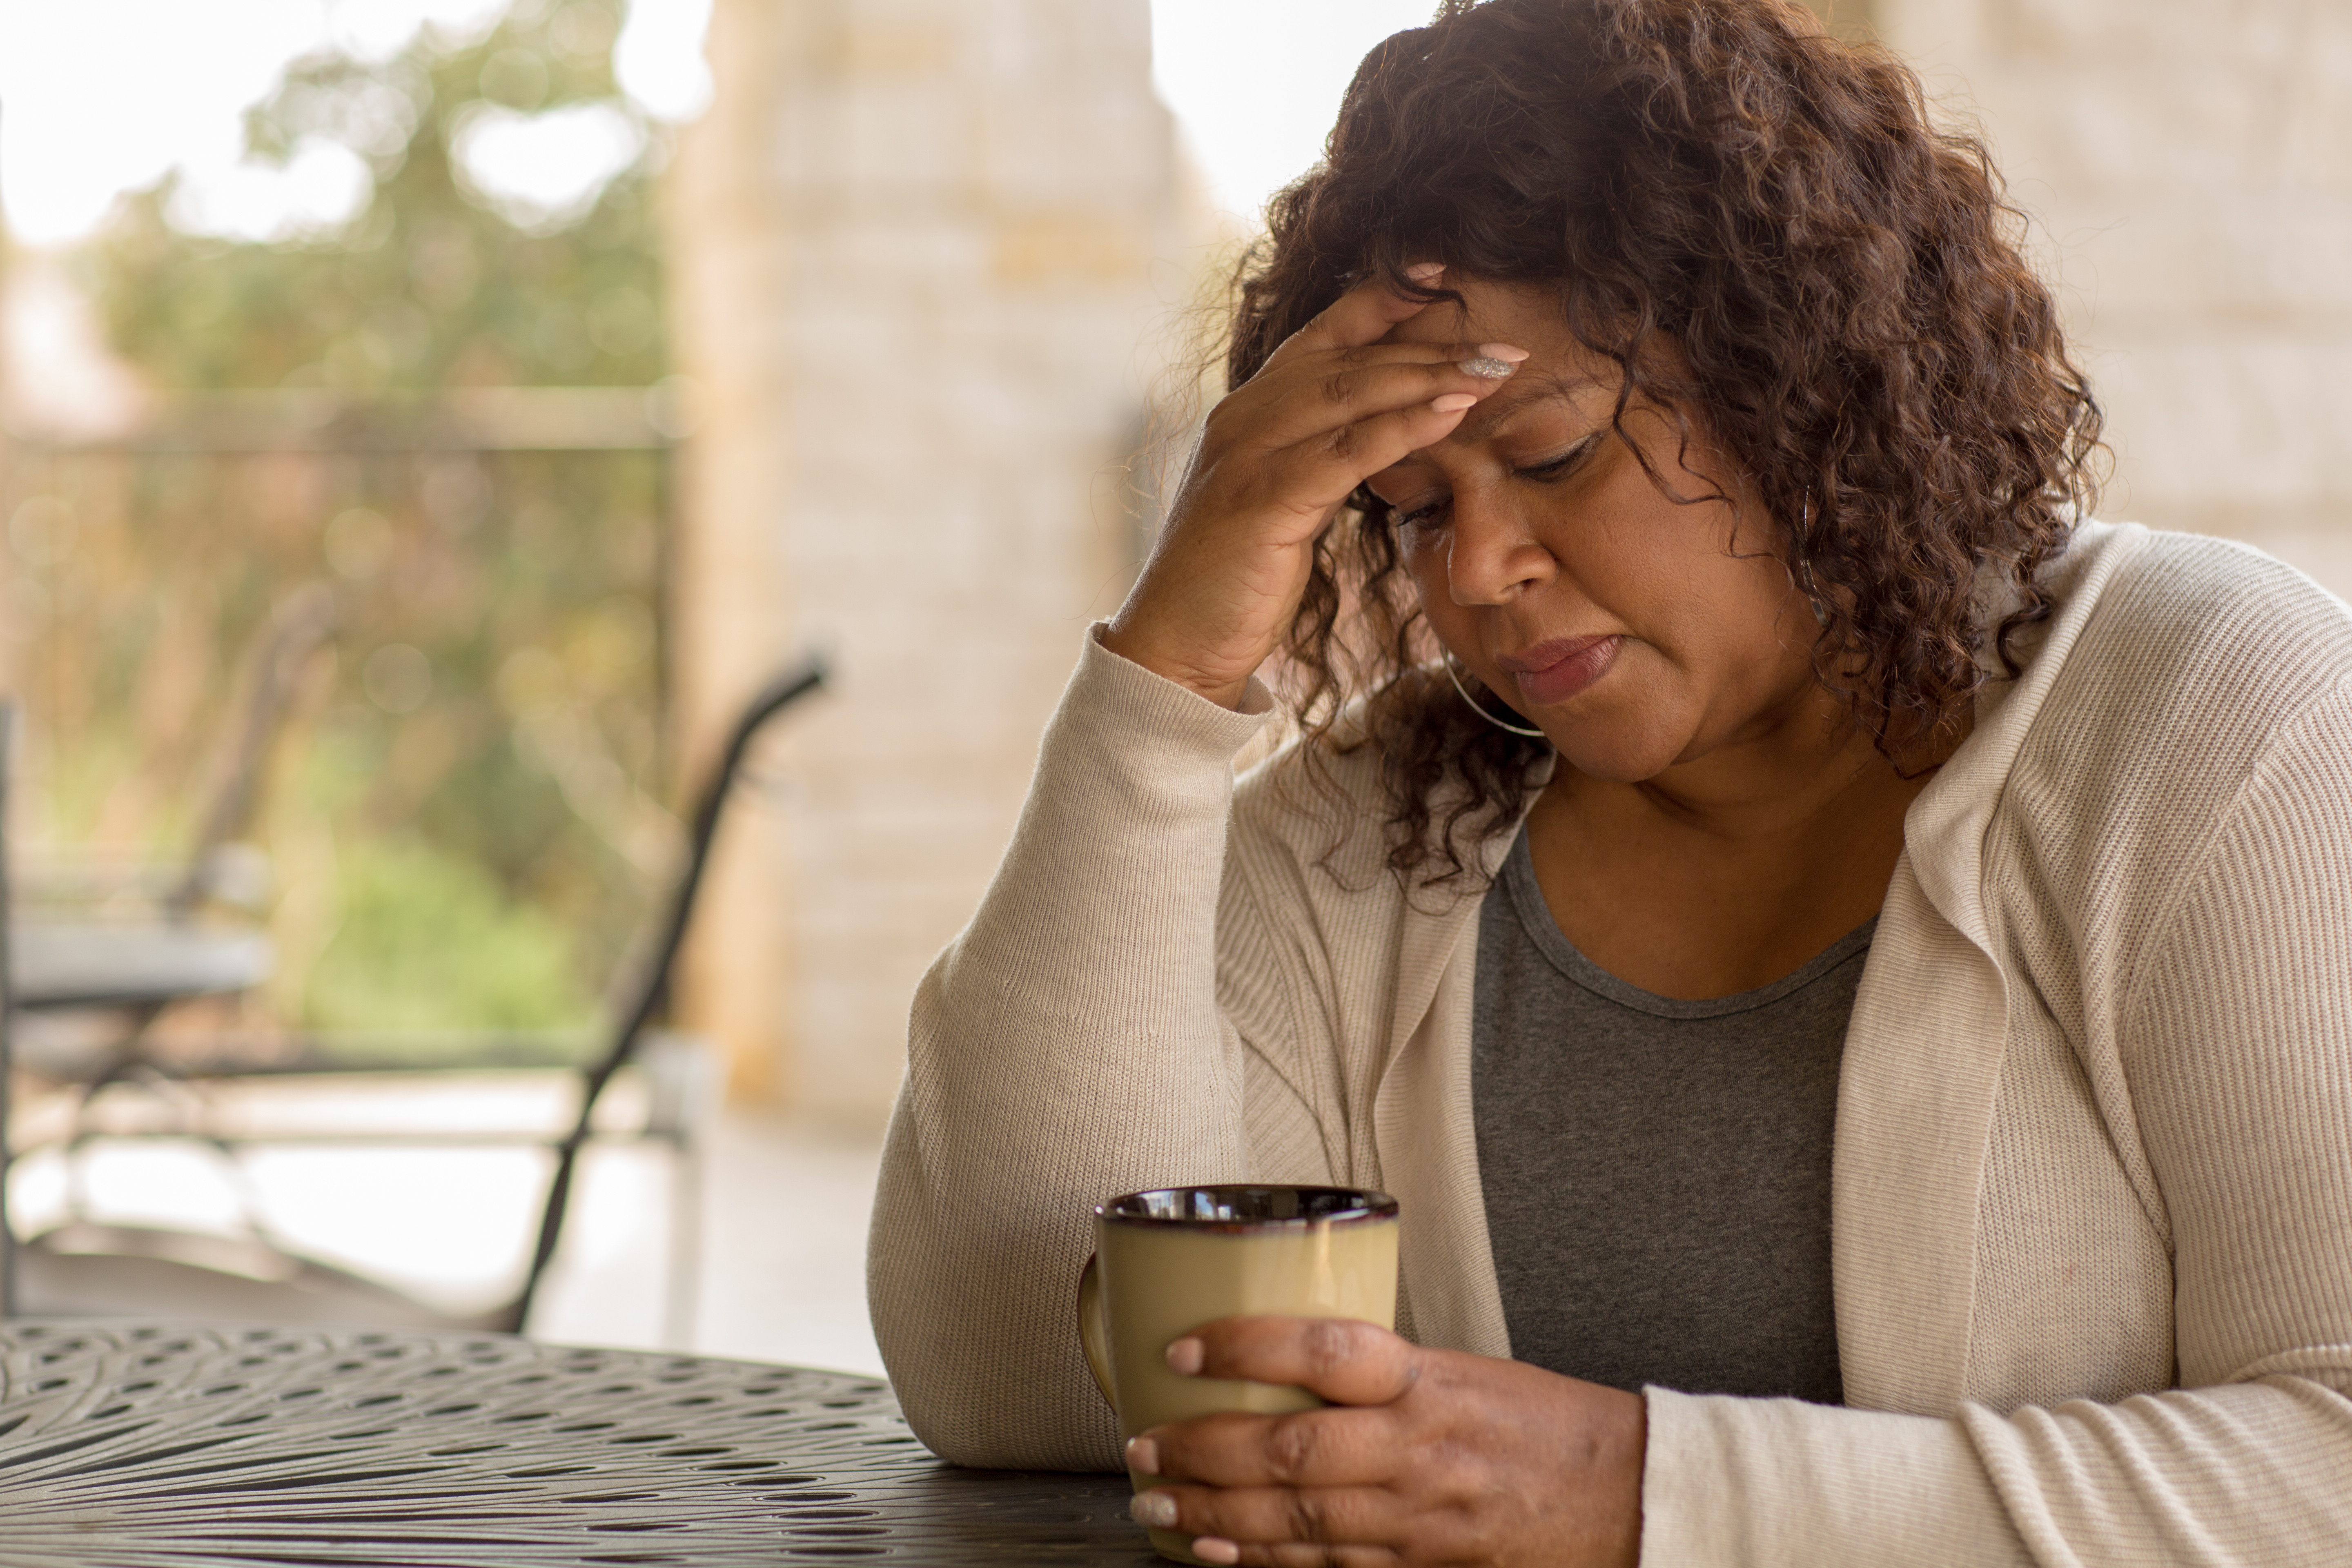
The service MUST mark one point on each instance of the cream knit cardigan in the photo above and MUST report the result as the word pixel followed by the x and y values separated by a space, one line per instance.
pixel 2092 1212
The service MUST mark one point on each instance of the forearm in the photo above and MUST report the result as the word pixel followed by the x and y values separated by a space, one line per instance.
pixel 1758 1482
pixel 1065 1047
pixel 2239 1474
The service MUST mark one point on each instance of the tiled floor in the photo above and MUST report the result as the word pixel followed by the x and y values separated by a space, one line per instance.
pixel 781 1275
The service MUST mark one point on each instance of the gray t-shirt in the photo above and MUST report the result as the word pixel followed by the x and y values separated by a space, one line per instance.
pixel 1657 1172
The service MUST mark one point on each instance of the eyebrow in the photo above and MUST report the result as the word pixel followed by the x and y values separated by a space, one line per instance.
pixel 1493 414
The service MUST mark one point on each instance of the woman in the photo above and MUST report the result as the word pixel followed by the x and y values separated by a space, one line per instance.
pixel 1724 751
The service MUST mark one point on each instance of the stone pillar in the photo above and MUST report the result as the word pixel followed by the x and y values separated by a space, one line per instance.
pixel 2190 169
pixel 917 245
pixel 727 618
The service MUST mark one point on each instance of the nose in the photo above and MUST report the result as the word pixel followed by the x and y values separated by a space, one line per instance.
pixel 1493 556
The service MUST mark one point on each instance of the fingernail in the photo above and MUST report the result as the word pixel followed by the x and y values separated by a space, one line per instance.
pixel 1186 1355
pixel 1486 365
pixel 1451 403
pixel 1215 1549
pixel 1422 271
pixel 1156 1509
pixel 1143 1455
pixel 1510 351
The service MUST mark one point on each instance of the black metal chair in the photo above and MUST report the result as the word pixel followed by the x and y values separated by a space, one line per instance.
pixel 126 973
pixel 85 1269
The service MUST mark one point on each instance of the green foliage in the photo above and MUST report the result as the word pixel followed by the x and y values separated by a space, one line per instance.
pixel 474 763
pixel 429 286
pixel 428 941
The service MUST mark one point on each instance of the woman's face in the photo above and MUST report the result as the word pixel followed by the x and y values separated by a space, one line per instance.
pixel 1613 616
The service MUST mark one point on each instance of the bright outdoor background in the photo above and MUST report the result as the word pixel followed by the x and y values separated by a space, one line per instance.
pixel 282 278
pixel 383 200
pixel 560 369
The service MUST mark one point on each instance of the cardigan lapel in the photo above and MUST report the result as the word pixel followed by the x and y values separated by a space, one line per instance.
pixel 1428 1143
pixel 1422 1127
pixel 1923 1052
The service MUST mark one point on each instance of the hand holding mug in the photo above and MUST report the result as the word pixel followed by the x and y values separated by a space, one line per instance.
pixel 1170 1260
pixel 1422 1456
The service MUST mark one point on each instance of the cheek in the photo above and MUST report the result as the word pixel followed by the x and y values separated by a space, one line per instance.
pixel 1755 626
pixel 1725 661
pixel 1706 589
pixel 1726 652
pixel 1425 563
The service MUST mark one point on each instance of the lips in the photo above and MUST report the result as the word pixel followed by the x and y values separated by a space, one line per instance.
pixel 1555 670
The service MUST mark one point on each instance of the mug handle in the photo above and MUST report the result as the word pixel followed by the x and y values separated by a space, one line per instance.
pixel 1094 1327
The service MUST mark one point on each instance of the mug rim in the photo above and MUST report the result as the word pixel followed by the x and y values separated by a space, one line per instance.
pixel 1367 1206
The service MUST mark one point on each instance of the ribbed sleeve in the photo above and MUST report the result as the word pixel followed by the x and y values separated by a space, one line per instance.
pixel 2237 1048
pixel 1782 1483
pixel 1066 1046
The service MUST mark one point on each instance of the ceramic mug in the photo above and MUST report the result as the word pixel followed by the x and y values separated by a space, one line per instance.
pixel 1168 1261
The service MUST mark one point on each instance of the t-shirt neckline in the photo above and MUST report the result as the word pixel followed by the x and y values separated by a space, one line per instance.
pixel 1534 915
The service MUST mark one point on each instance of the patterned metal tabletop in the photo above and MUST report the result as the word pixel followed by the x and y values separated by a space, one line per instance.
pixel 157 1445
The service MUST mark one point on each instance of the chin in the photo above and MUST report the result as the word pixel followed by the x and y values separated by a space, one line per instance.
pixel 1624 741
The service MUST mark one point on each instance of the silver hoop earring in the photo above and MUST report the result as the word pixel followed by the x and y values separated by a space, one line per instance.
pixel 1514 729
pixel 1812 594
pixel 1805 568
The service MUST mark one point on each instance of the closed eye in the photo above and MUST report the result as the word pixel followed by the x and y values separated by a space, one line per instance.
pixel 1549 470
pixel 1427 511
pixel 1552 468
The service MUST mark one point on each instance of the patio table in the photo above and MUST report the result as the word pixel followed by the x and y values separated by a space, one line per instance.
pixel 92 964
pixel 166 1446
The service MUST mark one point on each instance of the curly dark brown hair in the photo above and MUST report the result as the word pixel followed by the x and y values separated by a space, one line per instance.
pixel 1838 287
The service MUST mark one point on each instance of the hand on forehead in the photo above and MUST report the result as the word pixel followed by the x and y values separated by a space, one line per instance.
pixel 1528 314
pixel 1507 312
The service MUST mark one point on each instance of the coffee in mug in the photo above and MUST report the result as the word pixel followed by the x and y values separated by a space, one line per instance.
pixel 1168 1261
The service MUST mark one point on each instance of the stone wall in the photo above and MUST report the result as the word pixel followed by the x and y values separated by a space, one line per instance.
pixel 919 243
pixel 2188 164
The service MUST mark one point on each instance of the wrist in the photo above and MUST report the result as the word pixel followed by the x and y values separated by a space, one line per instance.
pixel 1225 689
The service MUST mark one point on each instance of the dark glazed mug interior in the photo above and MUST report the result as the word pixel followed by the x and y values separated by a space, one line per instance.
pixel 1238 1207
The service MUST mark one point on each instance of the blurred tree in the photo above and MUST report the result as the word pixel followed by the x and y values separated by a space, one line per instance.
pixel 436 281
pixel 465 830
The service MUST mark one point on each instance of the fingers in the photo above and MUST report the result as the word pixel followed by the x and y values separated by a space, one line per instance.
pixel 1363 315
pixel 1443 1458
pixel 1297 1556
pixel 1346 1361
pixel 1312 478
pixel 1347 1526
pixel 1311 398
pixel 1312 1449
